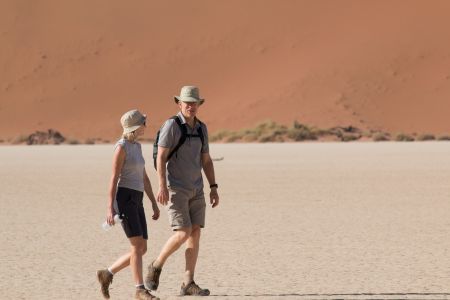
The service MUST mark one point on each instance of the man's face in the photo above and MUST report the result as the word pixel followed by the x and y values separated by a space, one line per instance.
pixel 188 109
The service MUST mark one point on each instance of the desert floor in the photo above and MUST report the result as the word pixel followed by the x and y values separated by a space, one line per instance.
pixel 296 221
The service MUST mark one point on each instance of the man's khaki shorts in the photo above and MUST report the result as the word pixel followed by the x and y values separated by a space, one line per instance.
pixel 186 208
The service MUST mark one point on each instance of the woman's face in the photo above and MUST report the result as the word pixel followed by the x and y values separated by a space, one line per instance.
pixel 140 131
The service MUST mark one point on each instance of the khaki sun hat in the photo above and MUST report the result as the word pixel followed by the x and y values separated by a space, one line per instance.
pixel 189 93
pixel 132 120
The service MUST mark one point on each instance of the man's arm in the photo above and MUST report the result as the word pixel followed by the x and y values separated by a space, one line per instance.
pixel 208 168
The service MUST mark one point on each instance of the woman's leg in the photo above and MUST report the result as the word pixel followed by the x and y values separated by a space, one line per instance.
pixel 121 263
pixel 138 249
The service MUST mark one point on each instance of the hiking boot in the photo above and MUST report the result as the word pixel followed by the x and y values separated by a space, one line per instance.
pixel 143 294
pixel 105 278
pixel 192 289
pixel 152 278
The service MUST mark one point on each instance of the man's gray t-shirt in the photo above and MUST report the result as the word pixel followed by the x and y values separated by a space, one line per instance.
pixel 184 169
pixel 132 173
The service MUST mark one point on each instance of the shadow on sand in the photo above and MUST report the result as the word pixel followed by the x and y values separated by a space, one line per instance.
pixel 444 295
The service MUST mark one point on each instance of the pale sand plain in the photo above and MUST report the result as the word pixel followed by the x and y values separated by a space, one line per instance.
pixel 296 221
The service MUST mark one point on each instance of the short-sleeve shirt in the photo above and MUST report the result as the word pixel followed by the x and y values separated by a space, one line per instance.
pixel 132 173
pixel 184 169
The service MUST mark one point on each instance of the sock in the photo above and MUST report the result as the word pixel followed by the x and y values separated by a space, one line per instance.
pixel 109 270
pixel 188 278
pixel 140 286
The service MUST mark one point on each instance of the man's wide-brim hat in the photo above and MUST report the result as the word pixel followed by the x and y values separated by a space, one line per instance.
pixel 132 120
pixel 189 93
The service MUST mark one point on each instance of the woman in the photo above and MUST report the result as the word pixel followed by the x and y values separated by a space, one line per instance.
pixel 128 182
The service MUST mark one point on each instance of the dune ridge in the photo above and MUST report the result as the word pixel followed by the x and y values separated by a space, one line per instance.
pixel 77 66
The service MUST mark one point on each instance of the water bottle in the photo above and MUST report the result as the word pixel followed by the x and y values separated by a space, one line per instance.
pixel 106 226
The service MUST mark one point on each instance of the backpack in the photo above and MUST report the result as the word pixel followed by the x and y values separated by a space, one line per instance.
pixel 184 135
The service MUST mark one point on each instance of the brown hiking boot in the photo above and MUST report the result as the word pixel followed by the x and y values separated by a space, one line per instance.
pixel 192 289
pixel 143 294
pixel 105 278
pixel 152 278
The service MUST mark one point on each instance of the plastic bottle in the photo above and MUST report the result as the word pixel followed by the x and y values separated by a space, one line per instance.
pixel 106 226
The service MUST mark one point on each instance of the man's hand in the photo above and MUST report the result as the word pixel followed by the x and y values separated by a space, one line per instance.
pixel 163 195
pixel 214 197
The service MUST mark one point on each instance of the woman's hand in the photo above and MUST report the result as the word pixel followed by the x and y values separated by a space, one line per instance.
pixel 110 216
pixel 155 211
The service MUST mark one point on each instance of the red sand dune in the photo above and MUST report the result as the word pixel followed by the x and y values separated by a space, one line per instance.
pixel 76 66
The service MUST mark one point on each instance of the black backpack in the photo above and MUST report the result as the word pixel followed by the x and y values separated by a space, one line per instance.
pixel 184 135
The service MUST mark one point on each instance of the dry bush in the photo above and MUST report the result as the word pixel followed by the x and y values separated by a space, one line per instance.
pixel 401 137
pixel 21 139
pixel 381 137
pixel 349 137
pixel 301 134
pixel 426 137
pixel 73 142
pixel 219 136
pixel 444 138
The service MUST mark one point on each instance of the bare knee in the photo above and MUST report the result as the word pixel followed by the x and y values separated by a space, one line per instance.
pixel 139 247
pixel 182 235
pixel 195 232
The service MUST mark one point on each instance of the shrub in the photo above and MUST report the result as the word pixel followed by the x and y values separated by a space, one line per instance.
pixel 219 136
pixel 444 138
pixel 233 137
pixel 73 142
pixel 426 137
pixel 301 134
pixel 21 139
pixel 380 137
pixel 404 138
pixel 350 137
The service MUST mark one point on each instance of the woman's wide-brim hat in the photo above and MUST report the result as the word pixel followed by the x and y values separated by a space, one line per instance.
pixel 132 120
pixel 189 93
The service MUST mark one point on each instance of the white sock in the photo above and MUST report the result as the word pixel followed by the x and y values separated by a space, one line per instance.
pixel 140 286
pixel 109 270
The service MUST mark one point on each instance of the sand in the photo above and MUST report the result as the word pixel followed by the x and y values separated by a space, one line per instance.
pixel 381 65
pixel 296 221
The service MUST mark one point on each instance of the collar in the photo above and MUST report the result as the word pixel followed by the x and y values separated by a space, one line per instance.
pixel 183 119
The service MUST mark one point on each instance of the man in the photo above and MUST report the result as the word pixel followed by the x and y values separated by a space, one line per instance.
pixel 182 188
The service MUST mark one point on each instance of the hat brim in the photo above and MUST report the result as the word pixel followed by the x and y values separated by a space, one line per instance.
pixel 135 127
pixel 188 99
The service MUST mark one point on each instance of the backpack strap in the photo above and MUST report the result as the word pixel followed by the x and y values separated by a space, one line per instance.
pixel 182 138
pixel 200 133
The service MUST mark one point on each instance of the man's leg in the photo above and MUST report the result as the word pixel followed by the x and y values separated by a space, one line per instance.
pixel 173 244
pixel 191 254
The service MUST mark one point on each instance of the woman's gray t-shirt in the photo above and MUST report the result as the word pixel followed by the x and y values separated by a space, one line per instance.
pixel 132 173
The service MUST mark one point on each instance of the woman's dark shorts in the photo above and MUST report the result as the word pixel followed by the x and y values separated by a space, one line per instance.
pixel 131 209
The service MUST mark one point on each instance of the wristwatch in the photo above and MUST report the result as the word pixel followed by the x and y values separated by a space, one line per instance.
pixel 215 185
